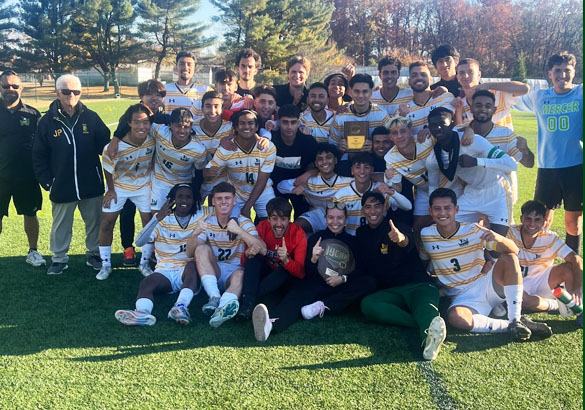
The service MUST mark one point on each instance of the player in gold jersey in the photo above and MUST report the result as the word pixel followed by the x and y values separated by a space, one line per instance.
pixel 170 230
pixel 184 92
pixel 538 250
pixel 457 256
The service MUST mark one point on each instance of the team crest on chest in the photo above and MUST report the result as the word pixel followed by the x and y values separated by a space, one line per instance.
pixel 463 242
pixel 24 121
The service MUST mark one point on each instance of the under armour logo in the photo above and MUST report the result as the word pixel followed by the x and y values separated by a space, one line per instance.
pixel 435 246
pixel 536 256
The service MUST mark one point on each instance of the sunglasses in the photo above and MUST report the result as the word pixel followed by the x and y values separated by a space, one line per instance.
pixel 333 205
pixel 69 92
pixel 13 86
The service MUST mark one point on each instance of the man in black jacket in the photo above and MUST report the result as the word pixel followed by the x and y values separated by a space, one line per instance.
pixel 407 297
pixel 69 139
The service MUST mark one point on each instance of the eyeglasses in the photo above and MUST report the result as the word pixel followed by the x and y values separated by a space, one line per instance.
pixel 69 92
pixel 13 86
pixel 333 205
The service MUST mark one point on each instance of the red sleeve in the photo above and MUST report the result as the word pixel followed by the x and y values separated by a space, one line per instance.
pixel 297 239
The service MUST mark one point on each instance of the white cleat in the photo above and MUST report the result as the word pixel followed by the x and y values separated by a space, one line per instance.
pixel 436 334
pixel 104 272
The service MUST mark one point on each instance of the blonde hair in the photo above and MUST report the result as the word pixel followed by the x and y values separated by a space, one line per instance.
pixel 400 122
pixel 304 61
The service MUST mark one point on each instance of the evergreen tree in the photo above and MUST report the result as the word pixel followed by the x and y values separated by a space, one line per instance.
pixel 163 21
pixel 519 73
pixel 102 36
pixel 6 37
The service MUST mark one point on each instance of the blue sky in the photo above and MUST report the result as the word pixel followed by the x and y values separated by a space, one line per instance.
pixel 204 15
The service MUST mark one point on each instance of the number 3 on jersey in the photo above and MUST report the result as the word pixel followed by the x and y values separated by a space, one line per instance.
pixel 456 266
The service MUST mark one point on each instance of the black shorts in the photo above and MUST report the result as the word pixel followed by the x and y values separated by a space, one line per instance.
pixel 556 185
pixel 26 195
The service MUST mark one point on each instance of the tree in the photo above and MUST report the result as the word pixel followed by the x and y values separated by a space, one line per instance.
pixel 45 26
pixel 7 40
pixel 278 29
pixel 519 73
pixel 163 22
pixel 102 36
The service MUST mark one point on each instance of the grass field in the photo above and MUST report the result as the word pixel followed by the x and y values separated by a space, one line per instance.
pixel 60 347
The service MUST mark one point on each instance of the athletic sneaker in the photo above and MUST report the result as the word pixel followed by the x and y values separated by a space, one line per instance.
pixel 57 268
pixel 436 334
pixel 129 257
pixel 314 309
pixel 145 269
pixel 519 331
pixel 224 313
pixel 135 318
pixel 261 322
pixel 35 258
pixel 538 329
pixel 94 261
pixel 104 272
pixel 564 310
pixel 499 311
pixel 210 307
pixel 180 314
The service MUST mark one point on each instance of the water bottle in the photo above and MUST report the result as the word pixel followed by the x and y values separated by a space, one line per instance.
pixel 565 297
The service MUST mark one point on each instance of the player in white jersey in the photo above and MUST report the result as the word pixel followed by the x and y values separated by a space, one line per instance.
pixel 220 246
pixel 337 85
pixel 483 108
pixel 184 92
pixel 468 75
pixel 209 130
pixel 423 99
pixel 316 118
pixel 538 250
pixel 362 170
pixel 170 229
pixel 361 110
pixel 456 251
pixel 128 177
pixel 248 167
pixel 390 96
pixel 319 189
pixel 177 155
pixel 480 165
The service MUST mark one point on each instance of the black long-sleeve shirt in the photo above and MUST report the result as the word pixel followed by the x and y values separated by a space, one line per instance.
pixel 349 240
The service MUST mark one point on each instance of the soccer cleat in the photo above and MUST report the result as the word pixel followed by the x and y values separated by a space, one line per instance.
pixel 35 258
pixel 519 331
pixel 135 318
pixel 104 272
pixel 210 307
pixel 314 309
pixel 57 268
pixel 261 322
pixel 246 309
pixel 145 269
pixel 499 311
pixel 180 314
pixel 538 329
pixel 94 261
pixel 436 334
pixel 225 313
pixel 129 257
pixel 564 310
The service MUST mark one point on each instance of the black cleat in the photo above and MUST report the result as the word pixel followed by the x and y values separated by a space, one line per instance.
pixel 538 329
pixel 519 331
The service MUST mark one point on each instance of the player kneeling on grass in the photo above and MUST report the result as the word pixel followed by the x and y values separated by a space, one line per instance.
pixel 170 230
pixel 406 296
pixel 456 250
pixel 538 250
pixel 219 247
pixel 128 178
pixel 332 283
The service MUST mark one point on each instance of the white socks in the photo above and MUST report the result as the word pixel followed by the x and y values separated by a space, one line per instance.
pixel 484 324
pixel 144 305
pixel 209 283
pixel 551 304
pixel 225 298
pixel 106 255
pixel 514 300
pixel 185 297
pixel 146 252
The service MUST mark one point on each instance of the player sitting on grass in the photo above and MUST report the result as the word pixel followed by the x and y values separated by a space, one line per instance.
pixel 128 178
pixel 219 247
pixel 170 230
pixel 457 255
pixel 538 250
pixel 405 296
pixel 315 294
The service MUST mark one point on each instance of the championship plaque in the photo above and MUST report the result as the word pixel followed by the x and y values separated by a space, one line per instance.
pixel 337 259
pixel 355 133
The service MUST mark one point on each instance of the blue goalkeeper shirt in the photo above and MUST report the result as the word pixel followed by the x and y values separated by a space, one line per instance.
pixel 560 126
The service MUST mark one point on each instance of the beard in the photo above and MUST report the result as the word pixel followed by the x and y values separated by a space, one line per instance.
pixel 10 98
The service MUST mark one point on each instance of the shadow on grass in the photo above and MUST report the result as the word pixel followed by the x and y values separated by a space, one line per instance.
pixel 74 310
